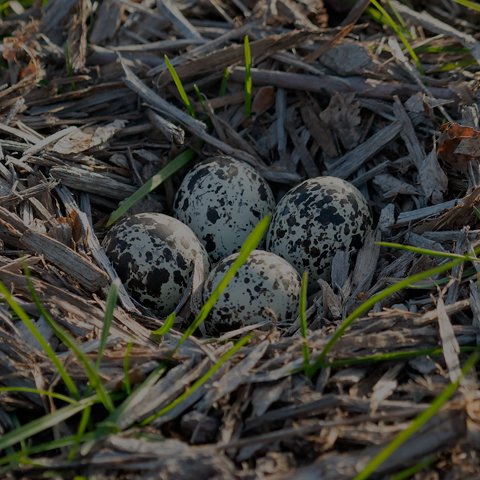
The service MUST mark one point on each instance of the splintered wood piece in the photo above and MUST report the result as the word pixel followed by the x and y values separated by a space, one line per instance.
pixel 450 346
pixel 78 267
pixel 107 21
pixel 307 160
pixel 47 141
pixel 234 377
pixel 312 83
pixel 171 131
pixel 171 11
pixel 432 177
pixel 353 160
pixel 92 182
pixel 77 36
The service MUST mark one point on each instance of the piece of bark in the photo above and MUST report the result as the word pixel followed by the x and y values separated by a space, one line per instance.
pixel 174 15
pixel 455 218
pixel 432 177
pixel 92 182
pixel 47 141
pixel 312 83
pixel 231 380
pixel 55 13
pixel 107 21
pixel 389 186
pixel 367 259
pixel 450 346
pixel 173 133
pixel 77 36
pixel 353 160
pixel 404 218
pixel 79 268
pixel 319 130
pixel 307 160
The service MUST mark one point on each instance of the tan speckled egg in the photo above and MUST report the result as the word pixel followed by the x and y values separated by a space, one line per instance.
pixel 154 256
pixel 265 281
pixel 316 219
pixel 222 200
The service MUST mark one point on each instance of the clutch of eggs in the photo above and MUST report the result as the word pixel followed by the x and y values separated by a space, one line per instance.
pixel 222 200
pixel 313 221
pixel 265 287
pixel 154 256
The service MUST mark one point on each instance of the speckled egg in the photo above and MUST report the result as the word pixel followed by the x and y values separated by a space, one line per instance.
pixel 265 281
pixel 222 200
pixel 154 256
pixel 316 219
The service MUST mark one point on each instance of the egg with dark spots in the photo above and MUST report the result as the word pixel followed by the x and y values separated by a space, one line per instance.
pixel 265 287
pixel 316 219
pixel 154 256
pixel 222 200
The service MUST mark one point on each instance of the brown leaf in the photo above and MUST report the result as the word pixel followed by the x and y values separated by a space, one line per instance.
pixel 28 70
pixel 76 226
pixel 451 137
pixel 343 116
pixel 263 100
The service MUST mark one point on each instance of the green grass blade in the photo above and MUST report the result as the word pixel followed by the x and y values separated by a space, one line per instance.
pixel 392 24
pixel 70 71
pixel 43 423
pixel 303 321
pixel 202 103
pixel 409 472
pixel 424 251
pixel 397 14
pixel 109 425
pixel 58 396
pixel 366 306
pixel 248 79
pixel 250 244
pixel 418 422
pixel 477 211
pixel 467 3
pixel 223 86
pixel 165 328
pixel 180 88
pixel 46 347
pixel 107 319
pixel 384 357
pixel 200 98
pixel 148 187
pixel 152 378
pixel 80 432
pixel 70 342
pixel 126 368
pixel 201 380
pixel 44 447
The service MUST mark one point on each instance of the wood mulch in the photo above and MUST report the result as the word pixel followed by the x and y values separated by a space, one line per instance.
pixel 333 93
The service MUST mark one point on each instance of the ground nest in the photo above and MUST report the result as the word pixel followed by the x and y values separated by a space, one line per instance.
pixel 93 126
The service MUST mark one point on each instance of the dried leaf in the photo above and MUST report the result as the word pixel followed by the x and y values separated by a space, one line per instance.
pixel 263 100
pixel 343 116
pixel 451 137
